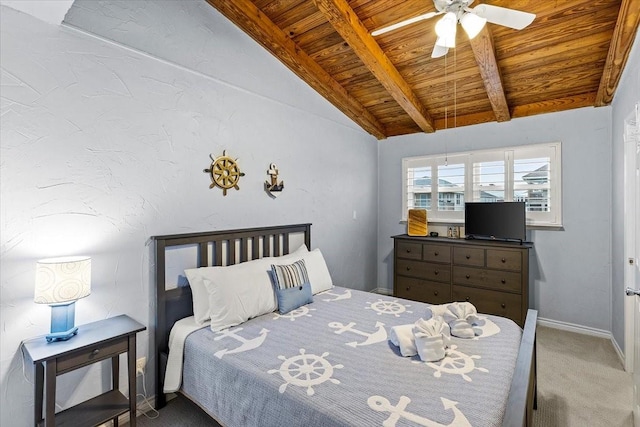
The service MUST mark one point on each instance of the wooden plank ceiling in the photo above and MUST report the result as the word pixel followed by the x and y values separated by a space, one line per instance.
pixel 571 56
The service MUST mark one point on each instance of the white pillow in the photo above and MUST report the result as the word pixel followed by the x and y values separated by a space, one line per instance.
pixel 239 292
pixel 318 272
pixel 200 294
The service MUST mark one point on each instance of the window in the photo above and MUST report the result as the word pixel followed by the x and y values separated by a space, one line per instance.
pixel 528 173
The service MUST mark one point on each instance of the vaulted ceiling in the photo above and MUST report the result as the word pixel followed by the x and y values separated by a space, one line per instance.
pixel 571 56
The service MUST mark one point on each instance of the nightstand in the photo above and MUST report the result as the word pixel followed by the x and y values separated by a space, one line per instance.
pixel 105 339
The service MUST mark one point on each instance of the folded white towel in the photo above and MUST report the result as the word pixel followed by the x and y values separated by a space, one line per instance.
pixel 436 310
pixel 461 317
pixel 431 337
pixel 402 337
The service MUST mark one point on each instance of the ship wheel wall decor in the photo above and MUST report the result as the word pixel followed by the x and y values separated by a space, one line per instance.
pixel 224 172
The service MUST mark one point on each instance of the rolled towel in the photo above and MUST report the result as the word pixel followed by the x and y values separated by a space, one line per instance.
pixel 402 337
pixel 461 317
pixel 431 340
pixel 436 310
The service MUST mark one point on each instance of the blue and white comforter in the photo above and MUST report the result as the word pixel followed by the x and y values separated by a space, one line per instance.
pixel 330 363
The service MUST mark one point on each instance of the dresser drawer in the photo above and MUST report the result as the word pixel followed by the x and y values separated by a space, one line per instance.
pixel 491 302
pixel 92 354
pixel 468 256
pixel 409 250
pixel 494 279
pixel 424 270
pixel 422 290
pixel 436 253
pixel 504 260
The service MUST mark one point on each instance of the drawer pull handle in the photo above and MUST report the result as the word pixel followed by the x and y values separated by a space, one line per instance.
pixel 503 281
pixel 408 268
pixel 95 352
pixel 435 293
pixel 408 287
pixel 436 253
pixel 504 260
pixel 468 256
pixel 467 298
pixel 408 251
pixel 467 276
pixel 503 305
pixel 436 272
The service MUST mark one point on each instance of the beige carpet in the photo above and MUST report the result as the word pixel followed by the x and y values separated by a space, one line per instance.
pixel 581 382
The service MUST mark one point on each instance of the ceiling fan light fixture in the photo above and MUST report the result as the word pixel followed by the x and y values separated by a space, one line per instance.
pixel 472 24
pixel 439 51
pixel 446 30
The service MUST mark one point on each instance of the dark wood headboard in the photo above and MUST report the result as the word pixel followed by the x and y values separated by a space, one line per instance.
pixel 214 248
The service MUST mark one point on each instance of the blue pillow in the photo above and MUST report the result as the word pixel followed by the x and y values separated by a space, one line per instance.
pixel 294 297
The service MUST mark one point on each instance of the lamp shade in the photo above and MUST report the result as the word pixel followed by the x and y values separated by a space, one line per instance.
pixel 62 280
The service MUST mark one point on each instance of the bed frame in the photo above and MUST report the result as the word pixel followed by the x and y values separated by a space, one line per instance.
pixel 230 247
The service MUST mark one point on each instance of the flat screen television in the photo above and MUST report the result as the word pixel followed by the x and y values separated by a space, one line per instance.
pixel 495 220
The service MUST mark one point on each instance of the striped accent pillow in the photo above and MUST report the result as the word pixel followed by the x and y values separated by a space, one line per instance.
pixel 291 275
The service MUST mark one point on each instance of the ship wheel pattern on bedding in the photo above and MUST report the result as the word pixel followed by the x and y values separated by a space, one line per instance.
pixel 455 363
pixel 388 307
pixel 224 172
pixel 306 370
pixel 303 311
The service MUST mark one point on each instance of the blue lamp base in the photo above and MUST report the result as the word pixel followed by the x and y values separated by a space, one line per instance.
pixel 62 322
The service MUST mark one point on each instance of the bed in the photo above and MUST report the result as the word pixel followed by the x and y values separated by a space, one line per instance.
pixel 330 362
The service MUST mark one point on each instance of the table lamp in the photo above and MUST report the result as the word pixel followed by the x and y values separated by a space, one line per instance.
pixel 60 282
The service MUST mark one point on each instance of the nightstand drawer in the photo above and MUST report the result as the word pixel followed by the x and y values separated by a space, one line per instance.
pixel 425 270
pixel 504 260
pixel 436 253
pixel 468 256
pixel 409 250
pixel 423 290
pixel 90 355
pixel 494 279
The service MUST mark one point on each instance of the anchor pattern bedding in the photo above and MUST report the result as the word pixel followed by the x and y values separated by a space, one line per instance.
pixel 330 363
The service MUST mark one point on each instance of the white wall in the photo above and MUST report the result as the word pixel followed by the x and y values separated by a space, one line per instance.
pixel 570 269
pixel 102 147
pixel 627 95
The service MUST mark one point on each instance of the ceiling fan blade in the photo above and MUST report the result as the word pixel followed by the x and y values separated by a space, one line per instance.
pixel 511 18
pixel 439 51
pixel 404 23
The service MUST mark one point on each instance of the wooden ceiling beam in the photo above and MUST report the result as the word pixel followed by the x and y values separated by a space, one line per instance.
pixel 484 52
pixel 256 24
pixel 624 34
pixel 349 26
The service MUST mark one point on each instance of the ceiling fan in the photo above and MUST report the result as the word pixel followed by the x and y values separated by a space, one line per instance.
pixel 471 19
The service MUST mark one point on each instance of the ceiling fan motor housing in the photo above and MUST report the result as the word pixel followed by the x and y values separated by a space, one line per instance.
pixel 455 6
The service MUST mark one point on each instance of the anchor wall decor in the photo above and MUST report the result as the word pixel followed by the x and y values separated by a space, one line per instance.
pixel 272 186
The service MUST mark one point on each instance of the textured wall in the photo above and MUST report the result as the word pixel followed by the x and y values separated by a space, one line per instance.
pixel 570 269
pixel 627 95
pixel 102 147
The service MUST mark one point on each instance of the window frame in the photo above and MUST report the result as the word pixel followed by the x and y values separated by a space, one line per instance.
pixel 551 150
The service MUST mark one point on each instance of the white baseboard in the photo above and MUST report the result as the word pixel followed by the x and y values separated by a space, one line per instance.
pixel 382 291
pixel 585 330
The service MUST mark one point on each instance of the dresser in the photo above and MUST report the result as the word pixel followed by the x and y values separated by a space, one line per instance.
pixel 492 275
